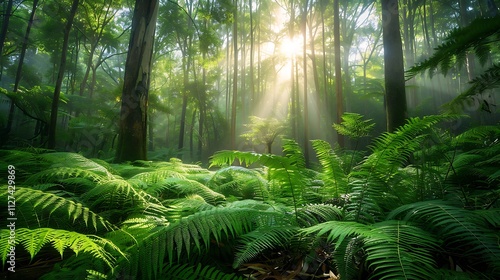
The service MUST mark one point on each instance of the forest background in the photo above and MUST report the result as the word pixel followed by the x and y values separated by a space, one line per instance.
pixel 217 63
pixel 105 103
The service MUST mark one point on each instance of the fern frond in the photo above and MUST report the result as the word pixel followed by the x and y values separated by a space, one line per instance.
pixel 223 158
pixel 404 252
pixel 317 213
pixel 117 195
pixel 292 150
pixel 475 37
pixel 34 202
pixel 156 176
pixel 33 241
pixel 261 239
pixel 175 241
pixel 353 126
pixel 461 230
pixel 190 187
pixel 489 80
pixel 394 250
pixel 332 172
pixel 240 182
pixel 61 174
pixel 73 160
pixel 187 206
pixel 202 272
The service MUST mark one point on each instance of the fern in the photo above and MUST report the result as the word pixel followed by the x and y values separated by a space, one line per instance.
pixel 317 213
pixel 190 187
pixel 258 241
pixel 204 272
pixel 33 241
pixel 391 251
pixel 199 231
pixel 463 232
pixel 223 158
pixel 477 36
pixel 157 176
pixel 488 80
pixel 28 200
pixel 353 126
pixel 405 252
pixel 332 171
pixel 240 182
pixel 116 198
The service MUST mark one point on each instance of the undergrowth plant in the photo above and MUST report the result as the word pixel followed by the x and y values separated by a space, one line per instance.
pixel 423 204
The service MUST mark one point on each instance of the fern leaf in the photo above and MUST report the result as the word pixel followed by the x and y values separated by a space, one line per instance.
pixel 29 201
pixel 460 229
pixel 222 158
pixel 33 240
pixel 332 171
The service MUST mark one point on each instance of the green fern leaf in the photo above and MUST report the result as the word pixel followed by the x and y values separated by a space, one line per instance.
pixel 261 239
pixel 33 240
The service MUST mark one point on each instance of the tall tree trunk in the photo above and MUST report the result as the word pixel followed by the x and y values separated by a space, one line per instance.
pixel 306 103
pixel 252 56
pixel 464 21
pixel 294 111
pixel 235 76
pixel 338 70
pixel 395 96
pixel 132 143
pixel 20 65
pixel 3 32
pixel 51 144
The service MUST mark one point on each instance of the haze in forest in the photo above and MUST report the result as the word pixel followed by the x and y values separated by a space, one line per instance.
pixel 222 68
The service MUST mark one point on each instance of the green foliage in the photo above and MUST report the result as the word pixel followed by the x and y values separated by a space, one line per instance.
pixel 34 240
pixel 263 131
pixel 479 38
pixel 375 218
pixel 353 126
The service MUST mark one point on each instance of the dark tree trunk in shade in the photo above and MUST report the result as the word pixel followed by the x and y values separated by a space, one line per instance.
pixel 51 144
pixel 395 96
pixel 132 143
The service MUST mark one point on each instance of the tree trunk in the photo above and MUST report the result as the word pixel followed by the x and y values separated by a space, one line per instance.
pixel 60 76
pixel 3 32
pixel 20 65
pixel 338 70
pixel 395 96
pixel 235 76
pixel 132 143
pixel 306 103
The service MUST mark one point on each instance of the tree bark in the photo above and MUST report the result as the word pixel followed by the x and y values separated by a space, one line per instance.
pixel 395 96
pixel 306 103
pixel 132 143
pixel 5 28
pixel 338 70
pixel 20 65
pixel 51 144
pixel 235 76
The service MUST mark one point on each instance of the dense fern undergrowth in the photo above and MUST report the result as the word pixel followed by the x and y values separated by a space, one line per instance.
pixel 419 204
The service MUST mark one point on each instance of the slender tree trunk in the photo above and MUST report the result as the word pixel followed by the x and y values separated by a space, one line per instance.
pixel 132 142
pixel 464 21
pixel 306 103
pixel 51 144
pixel 252 55
pixel 395 96
pixel 293 113
pixel 3 32
pixel 20 64
pixel 235 76
pixel 338 70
